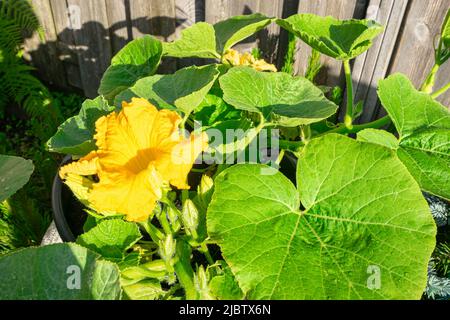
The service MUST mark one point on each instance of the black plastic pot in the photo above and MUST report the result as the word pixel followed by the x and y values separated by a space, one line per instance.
pixel 68 212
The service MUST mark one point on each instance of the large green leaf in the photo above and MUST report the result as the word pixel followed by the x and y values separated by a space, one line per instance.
pixel 14 174
pixel 237 28
pixel 138 59
pixel 361 218
pixel 185 89
pixel 198 40
pixel 286 100
pixel 423 125
pixel 143 88
pixel 76 135
pixel 227 138
pixel 52 273
pixel 339 39
pixel 111 238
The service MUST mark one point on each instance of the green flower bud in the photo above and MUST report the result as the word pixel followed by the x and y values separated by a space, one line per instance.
pixel 201 284
pixel 189 215
pixel 205 190
pixel 167 247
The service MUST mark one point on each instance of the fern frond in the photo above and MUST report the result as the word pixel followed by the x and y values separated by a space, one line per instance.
pixel 21 86
pixel 10 36
pixel 21 13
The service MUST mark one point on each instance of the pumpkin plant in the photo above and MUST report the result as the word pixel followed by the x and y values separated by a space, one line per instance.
pixel 350 223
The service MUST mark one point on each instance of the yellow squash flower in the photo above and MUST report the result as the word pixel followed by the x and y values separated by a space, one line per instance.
pixel 140 152
pixel 246 59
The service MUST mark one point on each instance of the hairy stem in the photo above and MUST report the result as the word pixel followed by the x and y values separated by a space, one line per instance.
pixel 291 145
pixel 428 85
pixel 441 91
pixel 356 128
pixel 348 120
pixel 165 223
pixel 152 231
pixel 204 249
pixel 288 65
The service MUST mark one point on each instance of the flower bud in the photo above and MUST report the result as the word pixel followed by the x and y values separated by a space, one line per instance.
pixel 189 215
pixel 201 284
pixel 205 190
pixel 167 247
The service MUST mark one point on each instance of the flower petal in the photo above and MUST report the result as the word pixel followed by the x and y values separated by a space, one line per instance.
pixel 261 65
pixel 117 145
pixel 129 194
pixel 175 168
pixel 85 166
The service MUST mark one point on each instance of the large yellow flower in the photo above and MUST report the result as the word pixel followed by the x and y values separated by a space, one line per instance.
pixel 235 58
pixel 140 152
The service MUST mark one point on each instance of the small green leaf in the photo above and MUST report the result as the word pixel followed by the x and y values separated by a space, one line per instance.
pixel 380 137
pixel 225 286
pixel 130 260
pixel 357 200
pixel 286 100
pixel 198 40
pixel 14 174
pixel 237 28
pixel 138 59
pixel 63 271
pixel 185 89
pixel 339 39
pixel 111 238
pixel 423 125
pixel 76 135
pixel 214 109
pixel 206 41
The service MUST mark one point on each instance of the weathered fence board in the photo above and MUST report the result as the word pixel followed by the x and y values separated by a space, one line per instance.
pixel 118 24
pixel 268 40
pixel 83 35
pixel 414 54
pixel 66 43
pixel 372 66
pixel 49 65
pixel 91 40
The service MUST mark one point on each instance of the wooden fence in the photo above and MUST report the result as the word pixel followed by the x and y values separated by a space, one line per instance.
pixel 83 35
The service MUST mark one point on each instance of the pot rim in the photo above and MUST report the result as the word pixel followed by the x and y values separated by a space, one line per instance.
pixel 57 209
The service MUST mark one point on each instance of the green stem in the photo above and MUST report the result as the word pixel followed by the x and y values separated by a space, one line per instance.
pixel 441 91
pixel 348 120
pixel 152 231
pixel 280 157
pixel 288 65
pixel 291 145
pixel 184 119
pixel 356 128
pixel 164 223
pixel 428 85
pixel 305 132
pixel 183 269
pixel 204 249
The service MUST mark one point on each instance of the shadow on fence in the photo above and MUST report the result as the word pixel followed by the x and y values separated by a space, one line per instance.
pixel 80 56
